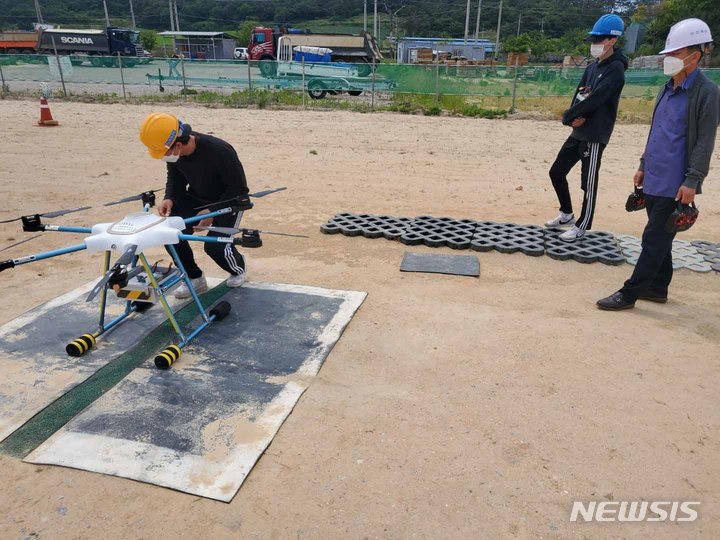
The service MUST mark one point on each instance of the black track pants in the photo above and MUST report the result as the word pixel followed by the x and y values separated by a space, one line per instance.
pixel 225 255
pixel 590 155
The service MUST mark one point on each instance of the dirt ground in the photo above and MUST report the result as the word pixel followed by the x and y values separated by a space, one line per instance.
pixel 452 407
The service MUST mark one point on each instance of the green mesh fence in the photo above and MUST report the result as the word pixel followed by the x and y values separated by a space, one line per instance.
pixel 148 76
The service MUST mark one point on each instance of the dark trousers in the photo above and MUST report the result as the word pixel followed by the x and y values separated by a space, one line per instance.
pixel 654 270
pixel 590 155
pixel 225 255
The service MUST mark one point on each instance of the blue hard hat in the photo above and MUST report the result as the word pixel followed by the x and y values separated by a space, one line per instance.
pixel 608 25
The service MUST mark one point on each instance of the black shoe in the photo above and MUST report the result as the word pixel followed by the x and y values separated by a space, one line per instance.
pixel 615 302
pixel 653 297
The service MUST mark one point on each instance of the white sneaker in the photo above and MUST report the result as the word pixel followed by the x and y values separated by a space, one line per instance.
pixel 199 284
pixel 562 220
pixel 236 280
pixel 573 234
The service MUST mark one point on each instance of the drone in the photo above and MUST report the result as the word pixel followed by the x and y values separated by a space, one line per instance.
pixel 132 278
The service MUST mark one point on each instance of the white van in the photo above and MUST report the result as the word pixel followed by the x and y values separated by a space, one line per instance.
pixel 241 53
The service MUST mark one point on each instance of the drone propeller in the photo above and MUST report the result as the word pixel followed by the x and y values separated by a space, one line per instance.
pixel 259 194
pixel 137 197
pixel 55 213
pixel 20 242
pixel 124 259
pixel 231 230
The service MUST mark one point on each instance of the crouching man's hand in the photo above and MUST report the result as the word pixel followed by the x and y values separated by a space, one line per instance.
pixel 165 207
pixel 205 222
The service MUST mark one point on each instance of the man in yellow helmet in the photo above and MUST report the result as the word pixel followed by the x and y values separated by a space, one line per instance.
pixel 201 169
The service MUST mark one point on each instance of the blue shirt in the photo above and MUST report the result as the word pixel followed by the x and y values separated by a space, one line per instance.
pixel 666 150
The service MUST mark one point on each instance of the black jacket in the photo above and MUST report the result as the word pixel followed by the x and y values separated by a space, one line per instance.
pixel 212 173
pixel 605 81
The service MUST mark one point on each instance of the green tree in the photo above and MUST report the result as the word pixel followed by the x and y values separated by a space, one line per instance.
pixel 244 32
pixel 148 39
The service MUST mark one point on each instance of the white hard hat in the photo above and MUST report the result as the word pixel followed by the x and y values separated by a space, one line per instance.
pixel 685 34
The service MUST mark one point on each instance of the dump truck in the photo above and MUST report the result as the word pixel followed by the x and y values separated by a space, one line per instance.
pixel 350 48
pixel 18 42
pixel 99 47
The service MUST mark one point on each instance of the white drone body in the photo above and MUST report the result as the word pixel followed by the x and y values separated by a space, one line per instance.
pixel 142 229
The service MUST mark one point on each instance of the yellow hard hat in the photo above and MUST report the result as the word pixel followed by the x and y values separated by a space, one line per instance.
pixel 158 132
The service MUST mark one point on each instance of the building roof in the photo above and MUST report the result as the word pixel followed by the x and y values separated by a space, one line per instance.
pixel 192 34
pixel 448 41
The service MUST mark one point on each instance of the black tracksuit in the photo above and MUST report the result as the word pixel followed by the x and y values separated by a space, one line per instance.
pixel 212 173
pixel 601 86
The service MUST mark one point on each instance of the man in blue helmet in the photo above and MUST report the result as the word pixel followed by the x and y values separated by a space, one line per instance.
pixel 592 116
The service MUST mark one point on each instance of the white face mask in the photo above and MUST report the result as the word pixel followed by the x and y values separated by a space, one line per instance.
pixel 673 65
pixel 597 50
pixel 171 158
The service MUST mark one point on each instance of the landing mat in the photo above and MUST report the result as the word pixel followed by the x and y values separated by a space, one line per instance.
pixel 201 426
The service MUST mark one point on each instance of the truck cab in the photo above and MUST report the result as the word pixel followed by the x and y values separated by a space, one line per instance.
pixel 262 44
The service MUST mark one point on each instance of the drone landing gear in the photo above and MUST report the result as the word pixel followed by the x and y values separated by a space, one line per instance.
pixel 81 345
pixel 169 355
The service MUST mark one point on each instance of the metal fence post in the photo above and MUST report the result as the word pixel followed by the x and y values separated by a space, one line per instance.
pixel 182 67
pixel 122 76
pixel 372 95
pixel 250 96
pixel 303 79
pixel 4 88
pixel 512 106
pixel 57 59
pixel 437 79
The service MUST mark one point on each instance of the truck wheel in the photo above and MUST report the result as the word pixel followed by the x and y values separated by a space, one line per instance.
pixel 96 62
pixel 11 51
pixel 355 92
pixel 316 90
pixel 364 70
pixel 268 68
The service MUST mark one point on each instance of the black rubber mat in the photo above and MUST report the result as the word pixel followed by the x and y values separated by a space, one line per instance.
pixel 455 265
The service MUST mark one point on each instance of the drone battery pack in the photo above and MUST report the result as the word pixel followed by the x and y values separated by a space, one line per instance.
pixel 140 288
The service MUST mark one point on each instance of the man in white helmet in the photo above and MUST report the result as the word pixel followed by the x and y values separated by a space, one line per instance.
pixel 676 159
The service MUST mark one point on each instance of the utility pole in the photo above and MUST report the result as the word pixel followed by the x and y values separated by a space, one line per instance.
pixel 172 16
pixel 38 13
pixel 497 35
pixel 107 19
pixel 542 25
pixel 467 20
pixel 375 23
pixel 132 15
pixel 477 21
pixel 519 19
pixel 365 15
pixel 177 19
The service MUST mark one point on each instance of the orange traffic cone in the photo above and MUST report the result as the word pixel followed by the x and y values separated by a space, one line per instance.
pixel 46 118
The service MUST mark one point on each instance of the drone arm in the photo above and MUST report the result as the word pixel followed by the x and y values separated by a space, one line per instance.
pixel 12 263
pixel 211 239
pixel 34 224
pixel 197 219
pixel 60 228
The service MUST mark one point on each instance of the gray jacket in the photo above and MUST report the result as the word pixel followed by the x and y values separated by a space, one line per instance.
pixel 703 120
